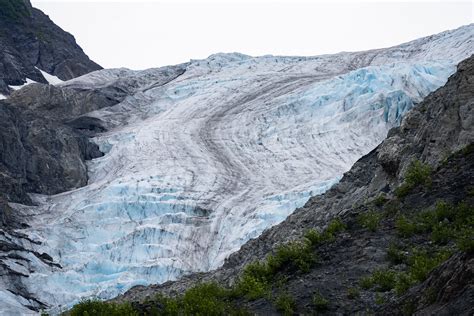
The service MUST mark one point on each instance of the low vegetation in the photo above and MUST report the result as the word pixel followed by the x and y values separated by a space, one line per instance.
pixel 353 293
pixel 370 220
pixel 99 308
pixel 417 174
pixel 299 256
pixel 285 303
pixel 320 303
pixel 444 227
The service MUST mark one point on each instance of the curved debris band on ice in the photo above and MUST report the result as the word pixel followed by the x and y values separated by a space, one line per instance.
pixel 197 165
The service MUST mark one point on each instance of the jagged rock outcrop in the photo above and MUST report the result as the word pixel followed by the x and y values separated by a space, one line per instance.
pixel 439 132
pixel 30 41
pixel 45 140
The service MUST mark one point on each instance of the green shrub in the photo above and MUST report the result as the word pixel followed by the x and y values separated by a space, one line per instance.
pixel 258 277
pixel 254 282
pixel 395 254
pixel 370 220
pixel 405 227
pixel 391 208
pixel 252 288
pixel 404 282
pixel 353 293
pixel 285 303
pixel 169 306
pixel 384 279
pixel 465 239
pixel 421 263
pixel 379 299
pixel 380 200
pixel 442 233
pixel 314 237
pixel 334 227
pixel 205 299
pixel 417 174
pixel 93 307
pixel 320 303
pixel 297 254
pixel 202 299
pixel 366 282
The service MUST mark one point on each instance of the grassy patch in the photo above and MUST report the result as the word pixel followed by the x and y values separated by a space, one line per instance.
pixel 379 299
pixel 370 220
pixel 334 227
pixel 258 278
pixel 417 174
pixel 420 263
pixel 316 238
pixel 383 280
pixel 320 303
pixel 405 227
pixel 353 293
pixel 298 255
pixel 254 282
pixel 202 299
pixel 395 254
pixel 99 308
pixel 380 200
pixel 285 303
pixel 444 223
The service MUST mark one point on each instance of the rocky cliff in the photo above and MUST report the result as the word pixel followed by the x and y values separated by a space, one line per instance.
pixel 393 237
pixel 30 43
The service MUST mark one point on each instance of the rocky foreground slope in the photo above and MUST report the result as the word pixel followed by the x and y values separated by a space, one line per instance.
pixel 32 47
pixel 395 235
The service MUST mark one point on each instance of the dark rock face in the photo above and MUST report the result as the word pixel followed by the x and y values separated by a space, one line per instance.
pixel 448 291
pixel 29 39
pixel 441 125
pixel 44 141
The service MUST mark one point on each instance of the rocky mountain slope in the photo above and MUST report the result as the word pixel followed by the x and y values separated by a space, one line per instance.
pixel 393 237
pixel 32 47
pixel 189 162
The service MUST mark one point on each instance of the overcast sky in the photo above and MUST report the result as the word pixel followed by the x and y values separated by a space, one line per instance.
pixel 144 34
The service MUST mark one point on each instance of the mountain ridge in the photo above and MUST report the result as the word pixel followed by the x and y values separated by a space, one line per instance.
pixel 31 42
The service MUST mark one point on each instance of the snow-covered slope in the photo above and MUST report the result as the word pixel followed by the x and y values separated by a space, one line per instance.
pixel 197 166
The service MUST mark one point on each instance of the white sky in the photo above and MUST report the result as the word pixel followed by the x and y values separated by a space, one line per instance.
pixel 144 34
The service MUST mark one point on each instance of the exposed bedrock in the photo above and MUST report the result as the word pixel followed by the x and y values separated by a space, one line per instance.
pixel 30 41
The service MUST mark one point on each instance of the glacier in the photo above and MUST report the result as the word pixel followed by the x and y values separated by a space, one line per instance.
pixel 198 165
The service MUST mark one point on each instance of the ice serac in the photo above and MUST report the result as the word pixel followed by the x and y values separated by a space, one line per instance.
pixel 198 163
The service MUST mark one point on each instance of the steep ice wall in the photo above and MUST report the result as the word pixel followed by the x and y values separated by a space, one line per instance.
pixel 196 167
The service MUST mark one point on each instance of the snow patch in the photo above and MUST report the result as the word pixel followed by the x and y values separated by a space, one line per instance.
pixel 28 81
pixel 50 78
